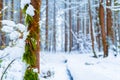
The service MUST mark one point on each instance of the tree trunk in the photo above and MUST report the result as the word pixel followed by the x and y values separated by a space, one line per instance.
pixel 46 41
pixel 54 27
pixel 102 24
pixel 109 22
pixel 66 33
pixel 34 28
pixel 0 14
pixel 70 27
pixel 2 39
pixel 78 23
pixel 91 29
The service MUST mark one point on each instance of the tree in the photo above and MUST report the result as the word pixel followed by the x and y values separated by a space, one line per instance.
pixel 1 34
pixel 66 33
pixel 78 22
pixel 70 27
pixel 102 24
pixel 0 20
pixel 109 22
pixel 0 13
pixel 32 42
pixel 46 41
pixel 91 29
pixel 54 27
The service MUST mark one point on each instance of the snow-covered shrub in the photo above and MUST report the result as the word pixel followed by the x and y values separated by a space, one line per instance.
pixel 13 31
pixel 17 34
pixel 84 42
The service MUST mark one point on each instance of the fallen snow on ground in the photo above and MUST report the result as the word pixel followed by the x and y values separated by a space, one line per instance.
pixel 16 70
pixel 61 66
pixel 80 66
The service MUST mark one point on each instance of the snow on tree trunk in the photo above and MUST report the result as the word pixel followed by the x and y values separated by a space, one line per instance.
pixel 32 42
pixel 91 29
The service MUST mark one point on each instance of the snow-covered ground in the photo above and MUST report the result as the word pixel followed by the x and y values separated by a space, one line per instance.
pixel 62 66
pixel 75 66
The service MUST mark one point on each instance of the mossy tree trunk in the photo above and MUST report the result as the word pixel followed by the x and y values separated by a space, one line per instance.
pixel 34 29
pixel 32 46
pixel 32 43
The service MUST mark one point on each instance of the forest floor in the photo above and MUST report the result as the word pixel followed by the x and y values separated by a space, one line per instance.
pixel 60 65
pixel 75 66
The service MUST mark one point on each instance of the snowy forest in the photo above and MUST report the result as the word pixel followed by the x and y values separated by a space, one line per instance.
pixel 59 39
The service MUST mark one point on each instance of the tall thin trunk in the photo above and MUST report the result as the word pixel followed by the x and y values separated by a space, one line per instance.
pixel 70 27
pixel 91 29
pixel 12 8
pixel 98 30
pixel 109 22
pixel 78 22
pixel 54 27
pixel 46 41
pixel 102 24
pixel 66 33
pixel 0 13
pixel 2 41
pixel 0 22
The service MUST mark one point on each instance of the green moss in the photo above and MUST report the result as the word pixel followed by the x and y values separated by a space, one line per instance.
pixel 28 19
pixel 25 8
pixel 31 75
pixel 29 56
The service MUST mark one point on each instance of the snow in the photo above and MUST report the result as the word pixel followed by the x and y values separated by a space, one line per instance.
pixel 30 10
pixel 7 29
pixel 62 66
pixel 14 35
pixel 55 65
pixel 81 67
pixel 24 2
pixel 17 68
pixel 8 23
pixel 21 27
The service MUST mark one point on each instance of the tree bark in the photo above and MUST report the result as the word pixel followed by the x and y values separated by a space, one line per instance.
pixel 66 33
pixel 102 24
pixel 78 22
pixel 91 29
pixel 109 22
pixel 54 27
pixel 46 41
pixel 34 27
pixel 0 13
pixel 70 27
